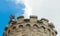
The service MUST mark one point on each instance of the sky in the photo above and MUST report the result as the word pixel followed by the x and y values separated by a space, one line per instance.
pixel 6 9
pixel 49 9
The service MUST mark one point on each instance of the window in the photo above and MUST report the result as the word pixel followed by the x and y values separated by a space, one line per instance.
pixel 8 31
pixel 28 26
pixel 42 29
pixel 49 32
pixel 14 28
pixel 52 34
pixel 35 27
pixel 21 27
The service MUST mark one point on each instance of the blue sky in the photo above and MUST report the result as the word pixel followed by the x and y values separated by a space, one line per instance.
pixel 7 8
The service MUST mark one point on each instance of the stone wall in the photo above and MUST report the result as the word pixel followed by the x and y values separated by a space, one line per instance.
pixel 30 27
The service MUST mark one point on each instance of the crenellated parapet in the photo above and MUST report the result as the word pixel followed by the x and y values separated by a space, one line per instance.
pixel 30 27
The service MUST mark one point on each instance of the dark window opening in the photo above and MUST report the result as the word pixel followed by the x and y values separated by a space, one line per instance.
pixel 35 26
pixel 14 28
pixel 8 31
pixel 28 25
pixel 20 26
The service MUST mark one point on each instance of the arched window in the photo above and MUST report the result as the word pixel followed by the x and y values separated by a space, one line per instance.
pixel 52 34
pixel 28 25
pixel 49 32
pixel 42 29
pixel 21 27
pixel 14 28
pixel 8 31
pixel 28 30
pixel 35 26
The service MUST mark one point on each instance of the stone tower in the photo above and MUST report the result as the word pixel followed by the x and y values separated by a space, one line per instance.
pixel 29 27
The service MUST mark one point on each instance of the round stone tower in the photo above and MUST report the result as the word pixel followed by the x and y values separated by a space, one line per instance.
pixel 29 27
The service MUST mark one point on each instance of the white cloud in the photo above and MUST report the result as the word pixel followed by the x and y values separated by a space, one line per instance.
pixel 27 9
pixel 49 9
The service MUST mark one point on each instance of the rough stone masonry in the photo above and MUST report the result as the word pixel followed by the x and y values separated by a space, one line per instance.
pixel 29 27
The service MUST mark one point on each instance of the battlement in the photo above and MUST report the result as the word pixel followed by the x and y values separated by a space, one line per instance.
pixel 33 17
pixel 20 17
pixel 32 24
pixel 44 19
pixel 51 25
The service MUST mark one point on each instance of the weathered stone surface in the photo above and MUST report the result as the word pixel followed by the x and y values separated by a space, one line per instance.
pixel 30 27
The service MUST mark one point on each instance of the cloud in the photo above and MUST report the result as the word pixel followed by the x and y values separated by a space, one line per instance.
pixel 27 9
pixel 49 9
